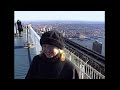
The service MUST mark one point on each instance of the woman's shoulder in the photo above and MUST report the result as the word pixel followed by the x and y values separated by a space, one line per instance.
pixel 69 64
pixel 36 58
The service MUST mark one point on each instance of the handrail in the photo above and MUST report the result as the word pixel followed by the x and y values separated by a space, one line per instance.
pixel 32 31
pixel 85 70
pixel 35 39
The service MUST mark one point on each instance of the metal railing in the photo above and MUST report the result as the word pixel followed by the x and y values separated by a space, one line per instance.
pixel 35 39
pixel 85 70
pixel 95 60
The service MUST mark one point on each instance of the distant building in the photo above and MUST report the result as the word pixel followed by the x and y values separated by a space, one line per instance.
pixel 97 46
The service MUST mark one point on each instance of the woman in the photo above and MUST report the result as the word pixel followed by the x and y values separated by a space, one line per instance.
pixel 51 63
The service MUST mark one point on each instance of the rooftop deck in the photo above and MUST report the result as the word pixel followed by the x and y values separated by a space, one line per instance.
pixel 22 56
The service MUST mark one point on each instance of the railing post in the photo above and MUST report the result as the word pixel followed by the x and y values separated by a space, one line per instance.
pixel 27 34
pixel 70 57
pixel 16 28
pixel 28 44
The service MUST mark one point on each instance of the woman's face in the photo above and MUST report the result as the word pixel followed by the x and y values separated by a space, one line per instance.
pixel 50 50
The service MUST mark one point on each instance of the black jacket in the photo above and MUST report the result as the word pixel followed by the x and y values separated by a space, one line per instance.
pixel 20 28
pixel 44 68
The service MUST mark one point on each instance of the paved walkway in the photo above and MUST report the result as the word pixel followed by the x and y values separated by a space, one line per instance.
pixel 22 56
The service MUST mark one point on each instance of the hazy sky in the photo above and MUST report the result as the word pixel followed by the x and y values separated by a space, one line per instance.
pixel 60 15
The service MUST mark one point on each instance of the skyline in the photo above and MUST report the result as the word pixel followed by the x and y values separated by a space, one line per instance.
pixel 60 15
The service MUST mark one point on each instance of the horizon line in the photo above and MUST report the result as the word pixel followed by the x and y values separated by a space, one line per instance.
pixel 61 20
